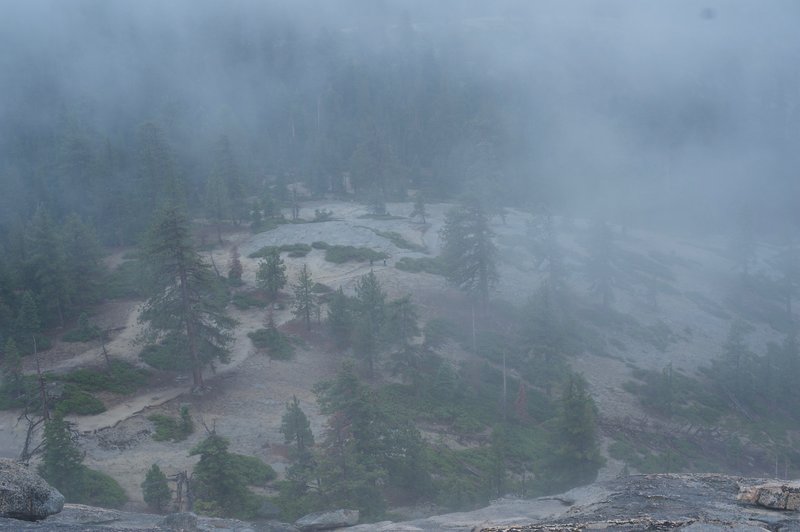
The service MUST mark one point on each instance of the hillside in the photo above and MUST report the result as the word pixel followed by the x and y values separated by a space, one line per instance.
pixel 675 299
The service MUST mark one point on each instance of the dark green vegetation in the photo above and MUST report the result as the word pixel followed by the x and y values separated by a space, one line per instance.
pixel 294 250
pixel 171 429
pixel 277 345
pixel 62 466
pixel 221 479
pixel 423 264
pixel 155 490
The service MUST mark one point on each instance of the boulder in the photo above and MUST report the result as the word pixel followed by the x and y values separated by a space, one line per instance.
pixel 25 495
pixel 775 495
pixel 327 520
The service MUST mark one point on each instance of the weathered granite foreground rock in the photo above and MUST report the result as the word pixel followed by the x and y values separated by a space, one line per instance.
pixel 327 520
pixel 777 495
pixel 25 495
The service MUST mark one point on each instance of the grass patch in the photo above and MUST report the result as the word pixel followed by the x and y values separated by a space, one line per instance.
pixel 121 378
pixel 277 344
pixel 342 254
pixel 425 264
pixel 294 250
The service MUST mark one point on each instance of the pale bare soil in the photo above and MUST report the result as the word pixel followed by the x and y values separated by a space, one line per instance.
pixel 247 397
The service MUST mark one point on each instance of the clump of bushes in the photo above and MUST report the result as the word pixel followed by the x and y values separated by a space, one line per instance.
pixel 167 355
pixel 118 377
pixel 424 264
pixel 170 429
pixel 322 215
pixel 319 244
pixel 399 240
pixel 251 299
pixel 294 250
pixel 342 254
pixel 277 344
pixel 78 402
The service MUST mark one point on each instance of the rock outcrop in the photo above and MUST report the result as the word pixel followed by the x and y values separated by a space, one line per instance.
pixel 25 495
pixel 327 520
pixel 689 503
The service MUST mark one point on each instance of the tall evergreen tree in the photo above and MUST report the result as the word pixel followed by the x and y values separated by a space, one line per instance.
pixel 155 490
pixel 271 273
pixel 577 431
pixel 340 318
pixel 217 202
pixel 227 173
pixel 296 428
pixel 185 302
pixel 27 325
pixel 83 260
pixel 46 265
pixel 368 334
pixel 304 302
pixel 468 251
pixel 62 460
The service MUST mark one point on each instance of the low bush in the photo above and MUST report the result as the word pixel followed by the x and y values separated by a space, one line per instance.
pixel 424 264
pixel 342 254
pixel 277 344
pixel 172 429
pixel 167 355
pixel 99 489
pixel 85 331
pixel 253 470
pixel 319 244
pixel 78 402
pixel 251 299
pixel 121 377
pixel 299 250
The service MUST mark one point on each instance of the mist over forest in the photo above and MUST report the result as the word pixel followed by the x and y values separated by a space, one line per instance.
pixel 679 114
pixel 260 259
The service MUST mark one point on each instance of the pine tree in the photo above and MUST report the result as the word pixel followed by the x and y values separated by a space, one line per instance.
pixel 296 428
pixel 27 325
pixel 368 334
pixel 577 431
pixel 216 478
pixel 46 264
pixel 340 318
pixel 304 302
pixel 271 274
pixel 155 490
pixel 235 269
pixel 83 264
pixel 12 366
pixel 217 202
pixel 226 172
pixel 183 301
pixel 468 251
pixel 401 321
pixel 62 461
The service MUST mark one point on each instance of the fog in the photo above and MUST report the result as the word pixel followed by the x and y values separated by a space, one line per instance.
pixel 679 114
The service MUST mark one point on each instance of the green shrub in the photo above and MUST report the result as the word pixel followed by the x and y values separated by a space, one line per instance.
pixel 99 489
pixel 253 470
pixel 155 490
pixel 423 264
pixel 289 248
pixel 298 254
pixel 322 215
pixel 171 429
pixel 121 378
pixel 78 402
pixel 277 344
pixel 342 254
pixel 320 245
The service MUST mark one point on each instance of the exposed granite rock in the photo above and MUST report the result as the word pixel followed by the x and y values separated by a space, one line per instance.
pixel 26 495
pixel 686 503
pixel 777 495
pixel 327 520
